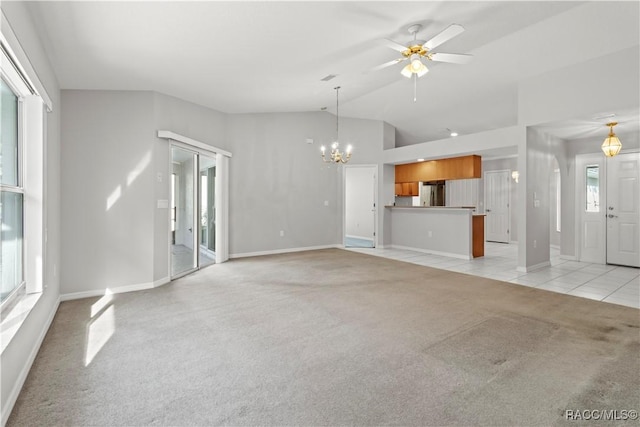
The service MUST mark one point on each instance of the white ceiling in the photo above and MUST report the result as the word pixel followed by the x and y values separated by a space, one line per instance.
pixel 266 56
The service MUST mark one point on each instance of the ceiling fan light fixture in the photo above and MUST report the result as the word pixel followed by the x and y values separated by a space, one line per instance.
pixel 416 64
pixel 406 71
pixel 422 71
pixel 611 145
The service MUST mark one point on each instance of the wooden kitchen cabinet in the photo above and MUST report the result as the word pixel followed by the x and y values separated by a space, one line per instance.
pixel 439 170
pixel 407 189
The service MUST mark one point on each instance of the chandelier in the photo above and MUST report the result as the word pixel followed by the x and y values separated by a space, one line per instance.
pixel 336 156
pixel 611 145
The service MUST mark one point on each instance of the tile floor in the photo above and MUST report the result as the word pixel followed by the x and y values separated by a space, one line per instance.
pixel 608 283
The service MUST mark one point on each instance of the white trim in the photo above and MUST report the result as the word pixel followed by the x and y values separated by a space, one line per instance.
pixel 284 251
pixel 533 267
pixel 161 282
pixel 165 134
pixel 22 377
pixel 429 251
pixel 12 44
pixel 349 236
pixel 568 257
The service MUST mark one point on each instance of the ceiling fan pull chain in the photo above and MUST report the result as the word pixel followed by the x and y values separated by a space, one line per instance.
pixel 415 87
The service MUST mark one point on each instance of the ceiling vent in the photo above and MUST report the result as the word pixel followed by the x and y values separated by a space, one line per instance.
pixel 329 77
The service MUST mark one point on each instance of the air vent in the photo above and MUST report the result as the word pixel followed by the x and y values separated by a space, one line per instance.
pixel 329 77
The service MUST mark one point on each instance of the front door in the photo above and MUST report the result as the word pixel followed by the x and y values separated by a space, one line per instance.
pixel 496 195
pixel 623 213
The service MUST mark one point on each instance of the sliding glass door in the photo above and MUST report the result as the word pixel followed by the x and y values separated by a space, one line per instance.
pixel 193 213
pixel 183 225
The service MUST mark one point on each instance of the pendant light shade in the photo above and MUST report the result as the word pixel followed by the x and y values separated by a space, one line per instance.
pixel 611 145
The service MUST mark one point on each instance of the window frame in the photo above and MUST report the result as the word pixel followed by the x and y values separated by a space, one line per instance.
pixel 17 86
pixel 32 108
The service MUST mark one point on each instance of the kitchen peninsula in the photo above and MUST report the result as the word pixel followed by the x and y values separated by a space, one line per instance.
pixel 451 231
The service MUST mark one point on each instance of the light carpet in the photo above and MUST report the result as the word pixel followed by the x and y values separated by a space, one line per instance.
pixel 332 337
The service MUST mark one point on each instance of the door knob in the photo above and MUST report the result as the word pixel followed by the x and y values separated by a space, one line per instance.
pixel 612 216
pixel 610 208
pixel 488 210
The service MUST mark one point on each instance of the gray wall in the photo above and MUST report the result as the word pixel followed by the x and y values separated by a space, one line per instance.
pixel 608 83
pixel 277 181
pixel 107 189
pixel 16 357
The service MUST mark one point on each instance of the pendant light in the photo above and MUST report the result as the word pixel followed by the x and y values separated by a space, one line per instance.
pixel 336 156
pixel 611 145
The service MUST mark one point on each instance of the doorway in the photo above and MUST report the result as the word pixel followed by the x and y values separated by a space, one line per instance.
pixel 496 202
pixel 192 222
pixel 360 206
pixel 608 207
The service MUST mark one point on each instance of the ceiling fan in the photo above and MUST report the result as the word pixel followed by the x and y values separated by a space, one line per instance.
pixel 418 50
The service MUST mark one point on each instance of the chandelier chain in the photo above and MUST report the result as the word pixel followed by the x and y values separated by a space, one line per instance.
pixel 337 88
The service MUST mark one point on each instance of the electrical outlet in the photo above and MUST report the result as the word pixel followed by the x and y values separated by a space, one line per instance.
pixel 281 233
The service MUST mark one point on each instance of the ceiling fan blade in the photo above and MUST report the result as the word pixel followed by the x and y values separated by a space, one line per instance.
pixel 386 64
pixel 394 45
pixel 445 35
pixel 454 58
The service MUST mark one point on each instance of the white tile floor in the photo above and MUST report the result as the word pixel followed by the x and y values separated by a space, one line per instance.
pixel 608 283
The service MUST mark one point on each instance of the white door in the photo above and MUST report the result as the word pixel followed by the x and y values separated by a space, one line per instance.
pixel 360 206
pixel 590 184
pixel 623 213
pixel 496 202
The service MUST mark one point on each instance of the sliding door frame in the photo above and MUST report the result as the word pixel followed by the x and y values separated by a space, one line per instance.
pixel 221 192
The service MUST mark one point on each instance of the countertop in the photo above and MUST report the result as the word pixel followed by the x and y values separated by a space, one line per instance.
pixel 466 208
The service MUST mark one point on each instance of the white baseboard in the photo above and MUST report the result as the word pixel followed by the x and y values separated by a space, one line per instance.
pixel 17 387
pixel 569 257
pixel 283 251
pixel 533 267
pixel 118 290
pixel 429 251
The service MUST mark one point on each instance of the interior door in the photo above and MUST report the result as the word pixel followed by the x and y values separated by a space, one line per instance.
pixel 360 206
pixel 497 209
pixel 623 213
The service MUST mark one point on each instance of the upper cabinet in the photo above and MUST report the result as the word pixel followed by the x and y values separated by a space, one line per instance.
pixel 437 170
pixel 407 189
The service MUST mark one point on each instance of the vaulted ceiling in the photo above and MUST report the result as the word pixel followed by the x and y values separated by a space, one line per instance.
pixel 267 56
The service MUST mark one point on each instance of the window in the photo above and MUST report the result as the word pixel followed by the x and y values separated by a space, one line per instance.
pixel 22 125
pixel 11 195
pixel 593 188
